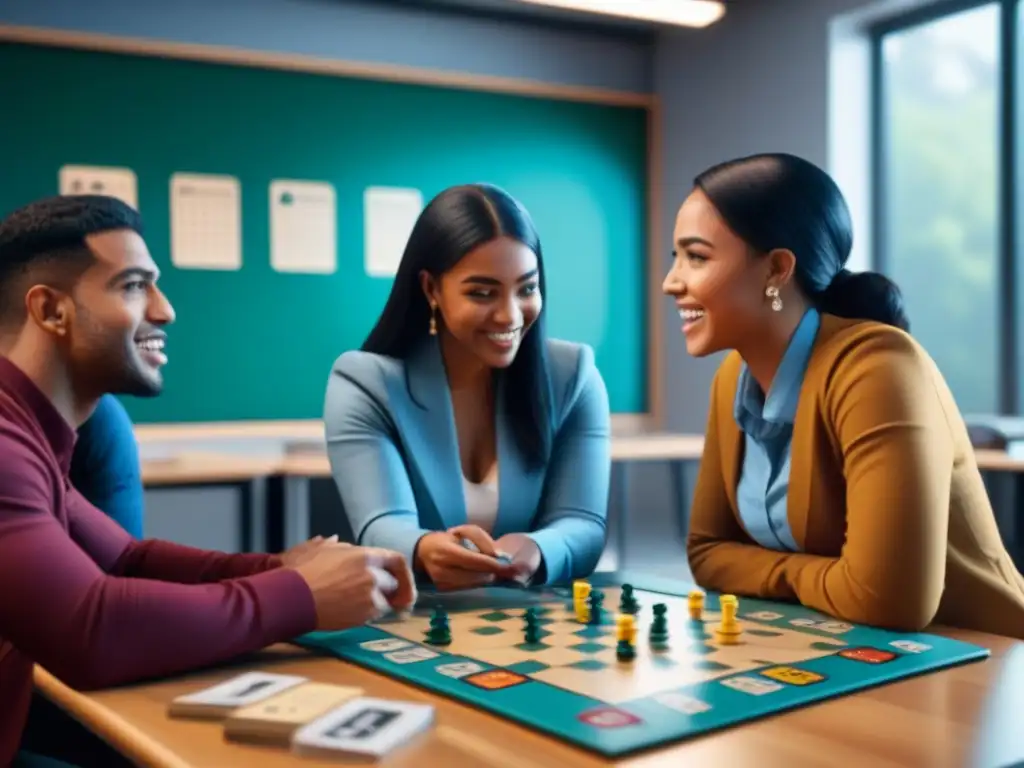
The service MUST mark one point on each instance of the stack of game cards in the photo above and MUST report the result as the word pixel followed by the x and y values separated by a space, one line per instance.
pixel 310 718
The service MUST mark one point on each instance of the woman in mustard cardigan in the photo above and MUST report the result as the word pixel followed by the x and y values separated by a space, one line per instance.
pixel 852 486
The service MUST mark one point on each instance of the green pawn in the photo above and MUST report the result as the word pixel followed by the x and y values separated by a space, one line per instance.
pixel 531 627
pixel 439 632
pixel 628 602
pixel 594 602
pixel 659 627
pixel 624 651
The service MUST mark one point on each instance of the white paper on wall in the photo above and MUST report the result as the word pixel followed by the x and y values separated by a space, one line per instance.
pixel 303 227
pixel 121 183
pixel 389 215
pixel 206 221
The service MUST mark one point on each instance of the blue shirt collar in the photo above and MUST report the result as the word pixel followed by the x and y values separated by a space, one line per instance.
pixel 767 417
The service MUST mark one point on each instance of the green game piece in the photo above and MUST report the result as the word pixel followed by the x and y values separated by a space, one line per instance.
pixel 439 632
pixel 594 602
pixel 628 602
pixel 659 627
pixel 624 651
pixel 531 627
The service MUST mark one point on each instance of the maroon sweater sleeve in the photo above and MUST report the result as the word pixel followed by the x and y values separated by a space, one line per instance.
pixel 93 629
pixel 167 561
pixel 116 552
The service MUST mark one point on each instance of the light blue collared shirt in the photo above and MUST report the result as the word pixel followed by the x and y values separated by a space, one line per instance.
pixel 767 424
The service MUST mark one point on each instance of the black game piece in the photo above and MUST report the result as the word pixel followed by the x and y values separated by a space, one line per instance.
pixel 531 627
pixel 624 651
pixel 659 627
pixel 628 602
pixel 439 632
pixel 594 602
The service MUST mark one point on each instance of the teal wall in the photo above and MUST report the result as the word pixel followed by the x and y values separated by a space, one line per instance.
pixel 579 168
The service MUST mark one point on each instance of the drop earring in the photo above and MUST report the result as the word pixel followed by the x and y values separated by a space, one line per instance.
pixel 433 319
pixel 773 293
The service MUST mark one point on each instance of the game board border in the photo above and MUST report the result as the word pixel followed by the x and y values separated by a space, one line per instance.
pixel 603 741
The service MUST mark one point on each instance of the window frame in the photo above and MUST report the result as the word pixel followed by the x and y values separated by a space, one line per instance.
pixel 1010 265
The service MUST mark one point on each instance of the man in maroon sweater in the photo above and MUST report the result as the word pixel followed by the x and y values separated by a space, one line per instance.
pixel 80 316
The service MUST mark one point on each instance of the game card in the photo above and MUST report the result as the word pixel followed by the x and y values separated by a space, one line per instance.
pixel 363 727
pixel 275 719
pixel 223 698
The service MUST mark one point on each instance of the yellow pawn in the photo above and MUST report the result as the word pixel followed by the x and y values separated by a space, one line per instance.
pixel 696 605
pixel 580 593
pixel 625 628
pixel 625 634
pixel 729 630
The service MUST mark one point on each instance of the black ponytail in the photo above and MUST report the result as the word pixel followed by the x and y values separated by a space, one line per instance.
pixel 781 201
pixel 864 295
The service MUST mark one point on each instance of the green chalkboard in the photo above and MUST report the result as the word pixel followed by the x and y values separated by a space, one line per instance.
pixel 256 343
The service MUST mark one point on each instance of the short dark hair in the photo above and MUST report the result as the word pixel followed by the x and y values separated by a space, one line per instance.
pixel 52 232
pixel 776 200
pixel 454 223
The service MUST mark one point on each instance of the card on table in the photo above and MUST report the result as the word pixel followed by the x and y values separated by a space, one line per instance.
pixel 220 700
pixel 275 720
pixel 363 728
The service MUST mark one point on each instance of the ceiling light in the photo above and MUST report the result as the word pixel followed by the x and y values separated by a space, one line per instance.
pixel 684 13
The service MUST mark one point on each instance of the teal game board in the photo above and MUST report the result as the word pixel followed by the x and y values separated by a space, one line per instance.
pixel 570 684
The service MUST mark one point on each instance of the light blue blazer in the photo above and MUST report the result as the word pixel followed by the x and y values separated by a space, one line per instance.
pixel 394 455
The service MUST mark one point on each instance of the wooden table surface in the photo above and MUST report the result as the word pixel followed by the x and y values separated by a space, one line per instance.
pixel 955 718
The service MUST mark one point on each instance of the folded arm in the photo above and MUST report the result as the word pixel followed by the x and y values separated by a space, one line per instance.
pixel 368 470
pixel 93 629
pixel 571 527
pixel 897 463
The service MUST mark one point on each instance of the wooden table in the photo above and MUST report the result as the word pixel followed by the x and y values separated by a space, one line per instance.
pixel 964 716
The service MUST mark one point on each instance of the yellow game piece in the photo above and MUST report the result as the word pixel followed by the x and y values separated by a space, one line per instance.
pixel 625 628
pixel 580 593
pixel 729 630
pixel 696 604
pixel 580 590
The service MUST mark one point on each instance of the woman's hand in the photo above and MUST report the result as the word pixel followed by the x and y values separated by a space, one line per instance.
pixel 525 554
pixel 450 565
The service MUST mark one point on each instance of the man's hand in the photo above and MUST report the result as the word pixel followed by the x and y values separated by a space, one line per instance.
pixel 300 553
pixel 353 585
pixel 451 566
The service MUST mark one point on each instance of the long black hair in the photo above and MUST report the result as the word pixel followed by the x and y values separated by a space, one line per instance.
pixel 456 222
pixel 782 201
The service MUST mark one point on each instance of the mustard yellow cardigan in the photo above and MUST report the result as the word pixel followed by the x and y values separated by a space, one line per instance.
pixel 885 497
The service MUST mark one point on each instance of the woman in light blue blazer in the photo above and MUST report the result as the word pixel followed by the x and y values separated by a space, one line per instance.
pixel 460 421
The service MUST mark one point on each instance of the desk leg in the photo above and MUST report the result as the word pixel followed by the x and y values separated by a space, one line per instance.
pixel 296 511
pixel 611 557
pixel 254 515
pixel 677 470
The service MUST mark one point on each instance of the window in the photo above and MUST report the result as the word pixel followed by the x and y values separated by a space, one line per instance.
pixel 938 186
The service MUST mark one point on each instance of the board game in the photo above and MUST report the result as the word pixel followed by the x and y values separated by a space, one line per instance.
pixel 567 679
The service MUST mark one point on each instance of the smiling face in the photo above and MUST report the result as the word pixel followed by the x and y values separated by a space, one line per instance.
pixel 489 300
pixel 718 283
pixel 114 338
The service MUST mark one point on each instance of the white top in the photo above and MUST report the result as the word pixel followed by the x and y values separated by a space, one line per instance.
pixel 482 500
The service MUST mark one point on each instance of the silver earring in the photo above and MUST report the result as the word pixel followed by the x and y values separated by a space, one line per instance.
pixel 773 293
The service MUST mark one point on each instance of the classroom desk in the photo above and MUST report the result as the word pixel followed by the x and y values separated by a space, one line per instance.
pixel 282 482
pixel 287 477
pixel 960 717
pixel 191 467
